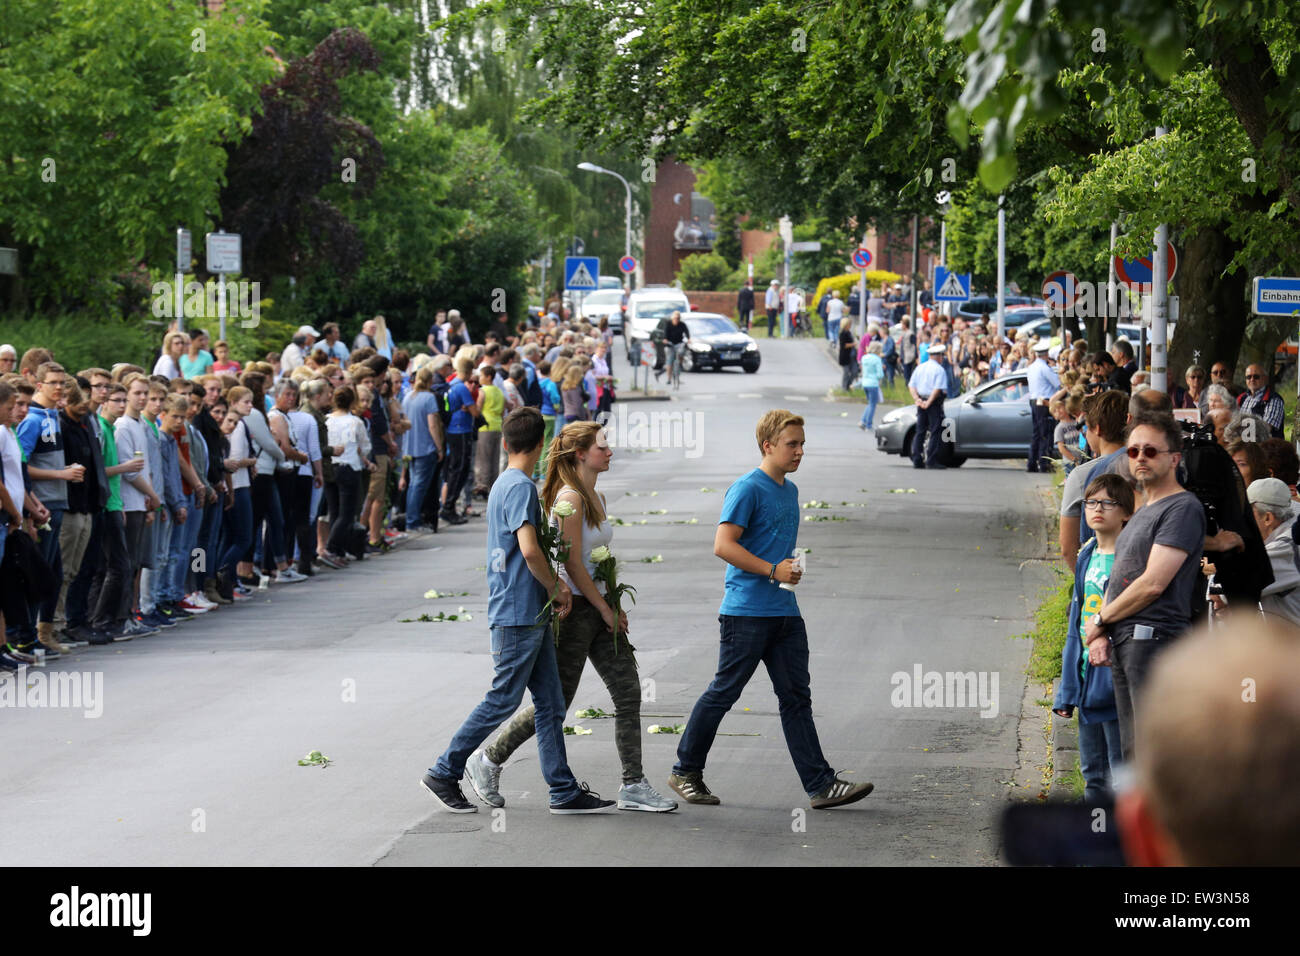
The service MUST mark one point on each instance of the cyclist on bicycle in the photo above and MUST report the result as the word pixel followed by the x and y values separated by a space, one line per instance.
pixel 673 333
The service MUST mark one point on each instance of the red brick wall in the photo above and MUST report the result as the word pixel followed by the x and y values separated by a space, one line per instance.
pixel 724 303
pixel 671 178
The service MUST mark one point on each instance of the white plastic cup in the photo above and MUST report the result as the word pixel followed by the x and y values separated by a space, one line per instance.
pixel 800 560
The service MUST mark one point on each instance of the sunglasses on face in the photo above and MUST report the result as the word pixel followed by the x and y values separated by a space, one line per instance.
pixel 1252 378
pixel 1145 451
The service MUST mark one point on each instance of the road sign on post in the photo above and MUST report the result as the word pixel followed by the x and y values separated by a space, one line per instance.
pixel 951 286
pixel 225 252
pixel 1275 295
pixel 581 272
pixel 1135 273
pixel 812 246
pixel 862 257
pixel 627 265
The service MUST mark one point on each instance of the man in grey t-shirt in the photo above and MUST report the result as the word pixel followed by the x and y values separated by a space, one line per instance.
pixel 1157 567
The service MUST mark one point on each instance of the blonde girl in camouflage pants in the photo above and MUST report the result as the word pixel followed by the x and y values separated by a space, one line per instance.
pixel 578 455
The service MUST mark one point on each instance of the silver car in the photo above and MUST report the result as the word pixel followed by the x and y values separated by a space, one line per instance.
pixel 992 421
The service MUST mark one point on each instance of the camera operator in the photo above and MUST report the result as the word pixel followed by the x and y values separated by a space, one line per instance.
pixel 1233 544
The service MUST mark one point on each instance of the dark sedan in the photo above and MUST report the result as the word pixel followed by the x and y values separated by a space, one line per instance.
pixel 717 342
pixel 992 421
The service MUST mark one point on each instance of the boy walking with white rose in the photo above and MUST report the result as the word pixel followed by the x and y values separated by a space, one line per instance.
pixel 761 622
pixel 523 650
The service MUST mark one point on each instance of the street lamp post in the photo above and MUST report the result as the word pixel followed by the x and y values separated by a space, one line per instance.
pixel 627 234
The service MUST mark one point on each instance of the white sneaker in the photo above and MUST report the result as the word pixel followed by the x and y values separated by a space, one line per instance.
pixel 642 796
pixel 289 576
pixel 201 599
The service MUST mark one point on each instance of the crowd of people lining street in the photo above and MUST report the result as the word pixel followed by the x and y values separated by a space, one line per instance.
pixel 138 496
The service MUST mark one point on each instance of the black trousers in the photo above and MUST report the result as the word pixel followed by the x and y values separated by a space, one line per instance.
pixel 745 316
pixel 1040 446
pixel 114 598
pixel 929 423
pixel 347 482
pixel 297 521
pixel 1132 662
pixel 83 592
pixel 458 462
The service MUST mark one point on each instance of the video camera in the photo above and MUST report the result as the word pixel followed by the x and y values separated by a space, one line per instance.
pixel 1209 472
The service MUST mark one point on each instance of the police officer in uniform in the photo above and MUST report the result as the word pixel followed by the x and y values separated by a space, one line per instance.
pixel 1043 384
pixel 928 385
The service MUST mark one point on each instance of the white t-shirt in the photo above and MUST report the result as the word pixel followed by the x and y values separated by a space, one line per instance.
pixel 166 365
pixel 12 457
pixel 351 433
pixel 834 309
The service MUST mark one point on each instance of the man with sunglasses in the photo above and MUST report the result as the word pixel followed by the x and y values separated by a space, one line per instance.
pixel 1221 374
pixel 1260 399
pixel 1156 572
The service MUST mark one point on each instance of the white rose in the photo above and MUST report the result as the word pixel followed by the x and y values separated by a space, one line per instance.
pixel 599 554
pixel 563 509
pixel 652 729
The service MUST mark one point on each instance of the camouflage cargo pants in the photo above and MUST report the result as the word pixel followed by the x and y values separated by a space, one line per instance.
pixel 582 635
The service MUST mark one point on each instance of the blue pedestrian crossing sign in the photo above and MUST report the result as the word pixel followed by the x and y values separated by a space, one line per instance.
pixel 581 273
pixel 951 286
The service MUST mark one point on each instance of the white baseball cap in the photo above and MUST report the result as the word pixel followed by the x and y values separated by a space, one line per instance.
pixel 1269 491
pixel 307 330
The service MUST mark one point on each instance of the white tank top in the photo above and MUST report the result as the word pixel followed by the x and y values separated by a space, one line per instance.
pixel 592 538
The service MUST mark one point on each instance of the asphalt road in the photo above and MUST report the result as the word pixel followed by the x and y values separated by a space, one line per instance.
pixel 194 758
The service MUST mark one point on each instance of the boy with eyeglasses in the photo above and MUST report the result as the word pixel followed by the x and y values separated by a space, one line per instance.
pixel 41 439
pixel 1107 506
pixel 1157 568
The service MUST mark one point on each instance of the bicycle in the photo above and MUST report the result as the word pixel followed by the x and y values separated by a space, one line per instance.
pixel 675 369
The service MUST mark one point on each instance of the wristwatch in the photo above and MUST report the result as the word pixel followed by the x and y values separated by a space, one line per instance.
pixel 1096 619
pixel 771 575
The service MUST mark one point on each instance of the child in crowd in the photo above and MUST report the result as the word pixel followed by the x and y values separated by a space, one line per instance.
pixel 1108 503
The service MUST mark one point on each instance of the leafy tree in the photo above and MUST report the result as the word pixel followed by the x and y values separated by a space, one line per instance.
pixel 114 120
pixel 703 272
pixel 300 145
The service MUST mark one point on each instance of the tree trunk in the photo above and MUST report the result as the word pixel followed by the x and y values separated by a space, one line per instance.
pixel 1213 308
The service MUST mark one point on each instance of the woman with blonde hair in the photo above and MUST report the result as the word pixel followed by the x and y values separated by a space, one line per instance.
pixel 169 363
pixel 383 341
pixel 579 454
pixel 575 409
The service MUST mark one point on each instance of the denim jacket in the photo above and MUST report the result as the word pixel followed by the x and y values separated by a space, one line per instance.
pixel 1095 695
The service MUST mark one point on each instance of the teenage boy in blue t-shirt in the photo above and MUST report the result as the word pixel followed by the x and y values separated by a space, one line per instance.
pixel 761 621
pixel 523 649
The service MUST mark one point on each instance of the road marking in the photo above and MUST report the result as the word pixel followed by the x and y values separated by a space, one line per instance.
pixel 705 397
pixel 795 398
pixel 750 395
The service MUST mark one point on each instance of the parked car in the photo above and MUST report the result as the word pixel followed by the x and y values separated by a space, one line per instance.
pixel 991 421
pixel 609 282
pixel 981 305
pixel 606 302
pixel 645 307
pixel 717 342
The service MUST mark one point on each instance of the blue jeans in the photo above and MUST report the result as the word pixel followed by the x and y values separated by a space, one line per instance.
pixel 873 399
pixel 1099 755
pixel 238 522
pixel 155 581
pixel 185 538
pixel 523 657
pixel 782 644
pixel 833 330
pixel 424 468
pixel 48 542
pixel 210 541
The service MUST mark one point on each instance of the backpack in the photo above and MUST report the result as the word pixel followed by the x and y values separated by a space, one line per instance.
pixel 439 390
pixel 533 392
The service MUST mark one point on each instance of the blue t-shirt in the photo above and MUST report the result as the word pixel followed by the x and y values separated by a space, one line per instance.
pixel 515 597
pixel 458 398
pixel 550 397
pixel 418 407
pixel 769 513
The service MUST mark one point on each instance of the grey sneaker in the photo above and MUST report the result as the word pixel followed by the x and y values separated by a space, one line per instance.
pixel 642 796
pixel 691 788
pixel 839 793
pixel 484 778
